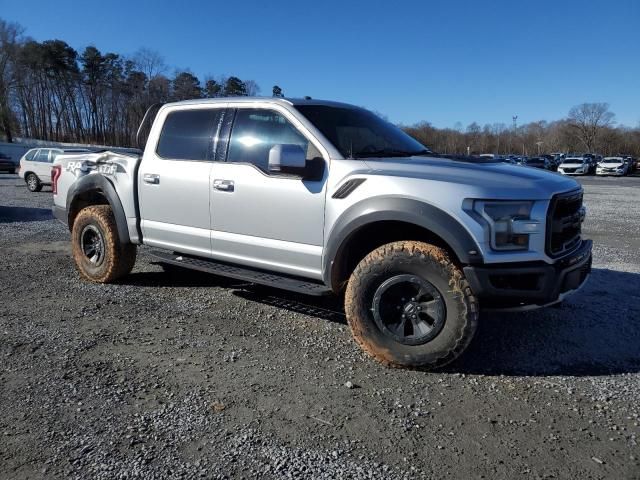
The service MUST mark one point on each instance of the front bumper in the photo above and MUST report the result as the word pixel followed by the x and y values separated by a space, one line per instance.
pixel 530 284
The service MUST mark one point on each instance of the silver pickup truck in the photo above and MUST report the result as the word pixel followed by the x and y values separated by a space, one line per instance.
pixel 326 198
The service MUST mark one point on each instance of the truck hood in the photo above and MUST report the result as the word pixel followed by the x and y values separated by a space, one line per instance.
pixel 489 179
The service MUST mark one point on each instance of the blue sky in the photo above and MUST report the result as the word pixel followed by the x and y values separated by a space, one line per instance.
pixel 443 62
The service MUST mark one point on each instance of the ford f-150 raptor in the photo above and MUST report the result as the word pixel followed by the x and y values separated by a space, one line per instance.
pixel 322 197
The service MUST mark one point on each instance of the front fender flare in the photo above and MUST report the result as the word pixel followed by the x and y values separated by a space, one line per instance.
pixel 400 209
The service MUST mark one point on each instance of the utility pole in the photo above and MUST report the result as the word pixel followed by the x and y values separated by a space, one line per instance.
pixel 514 132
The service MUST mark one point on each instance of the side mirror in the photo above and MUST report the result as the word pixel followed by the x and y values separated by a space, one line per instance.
pixel 287 158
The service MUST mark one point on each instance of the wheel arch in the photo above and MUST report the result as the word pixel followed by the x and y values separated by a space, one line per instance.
pixel 96 190
pixel 375 222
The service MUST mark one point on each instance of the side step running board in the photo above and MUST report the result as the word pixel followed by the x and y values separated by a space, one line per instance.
pixel 242 273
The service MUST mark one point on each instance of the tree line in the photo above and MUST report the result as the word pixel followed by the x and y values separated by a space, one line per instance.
pixel 588 128
pixel 50 91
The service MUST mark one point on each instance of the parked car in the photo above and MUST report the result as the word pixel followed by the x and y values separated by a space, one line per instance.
pixel 613 166
pixel 327 198
pixel 553 162
pixel 35 165
pixel 537 162
pixel 630 164
pixel 575 166
pixel 7 164
pixel 593 161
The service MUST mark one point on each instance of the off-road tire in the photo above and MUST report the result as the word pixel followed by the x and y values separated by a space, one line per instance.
pixel 33 182
pixel 118 259
pixel 429 263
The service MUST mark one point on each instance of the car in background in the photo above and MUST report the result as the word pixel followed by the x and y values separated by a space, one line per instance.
pixel 575 166
pixel 553 161
pixel 537 162
pixel 628 160
pixel 35 165
pixel 7 164
pixel 508 160
pixel 593 161
pixel 613 166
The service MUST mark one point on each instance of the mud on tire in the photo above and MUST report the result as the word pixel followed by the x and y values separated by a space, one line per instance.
pixel 97 251
pixel 441 292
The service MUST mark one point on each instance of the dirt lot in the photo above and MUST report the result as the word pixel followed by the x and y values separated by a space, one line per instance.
pixel 187 375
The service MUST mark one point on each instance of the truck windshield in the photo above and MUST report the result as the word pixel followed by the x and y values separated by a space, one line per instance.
pixel 358 133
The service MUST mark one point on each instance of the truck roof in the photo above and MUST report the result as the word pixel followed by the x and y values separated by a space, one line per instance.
pixel 275 100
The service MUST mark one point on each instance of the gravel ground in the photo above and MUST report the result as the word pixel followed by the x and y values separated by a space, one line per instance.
pixel 186 375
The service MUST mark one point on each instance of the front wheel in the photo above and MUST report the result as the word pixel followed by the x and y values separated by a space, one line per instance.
pixel 97 251
pixel 408 305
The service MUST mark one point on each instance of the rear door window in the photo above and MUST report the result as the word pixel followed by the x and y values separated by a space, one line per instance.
pixel 30 155
pixel 43 155
pixel 54 154
pixel 189 134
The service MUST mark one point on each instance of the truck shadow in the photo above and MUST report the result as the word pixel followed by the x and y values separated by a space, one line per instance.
pixel 24 214
pixel 178 277
pixel 595 332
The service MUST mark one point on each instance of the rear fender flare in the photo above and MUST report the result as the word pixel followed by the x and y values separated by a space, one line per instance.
pixel 98 183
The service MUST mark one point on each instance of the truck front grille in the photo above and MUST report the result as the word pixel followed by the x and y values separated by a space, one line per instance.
pixel 564 222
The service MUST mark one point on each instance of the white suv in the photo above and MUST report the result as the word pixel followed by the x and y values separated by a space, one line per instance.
pixel 35 165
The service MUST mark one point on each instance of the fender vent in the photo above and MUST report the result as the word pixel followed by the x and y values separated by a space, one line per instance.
pixel 347 187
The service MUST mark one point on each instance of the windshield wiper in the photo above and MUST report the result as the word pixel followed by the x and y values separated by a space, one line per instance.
pixel 389 152
pixel 422 153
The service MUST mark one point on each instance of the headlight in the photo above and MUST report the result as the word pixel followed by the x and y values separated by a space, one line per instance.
pixel 509 223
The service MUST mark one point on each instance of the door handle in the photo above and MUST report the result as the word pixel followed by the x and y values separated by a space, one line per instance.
pixel 224 185
pixel 151 178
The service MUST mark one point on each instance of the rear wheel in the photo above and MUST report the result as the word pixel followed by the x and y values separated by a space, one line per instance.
pixel 33 183
pixel 408 305
pixel 97 251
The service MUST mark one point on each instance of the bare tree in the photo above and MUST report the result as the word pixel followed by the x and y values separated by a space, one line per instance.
pixel 149 62
pixel 252 88
pixel 10 37
pixel 588 121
